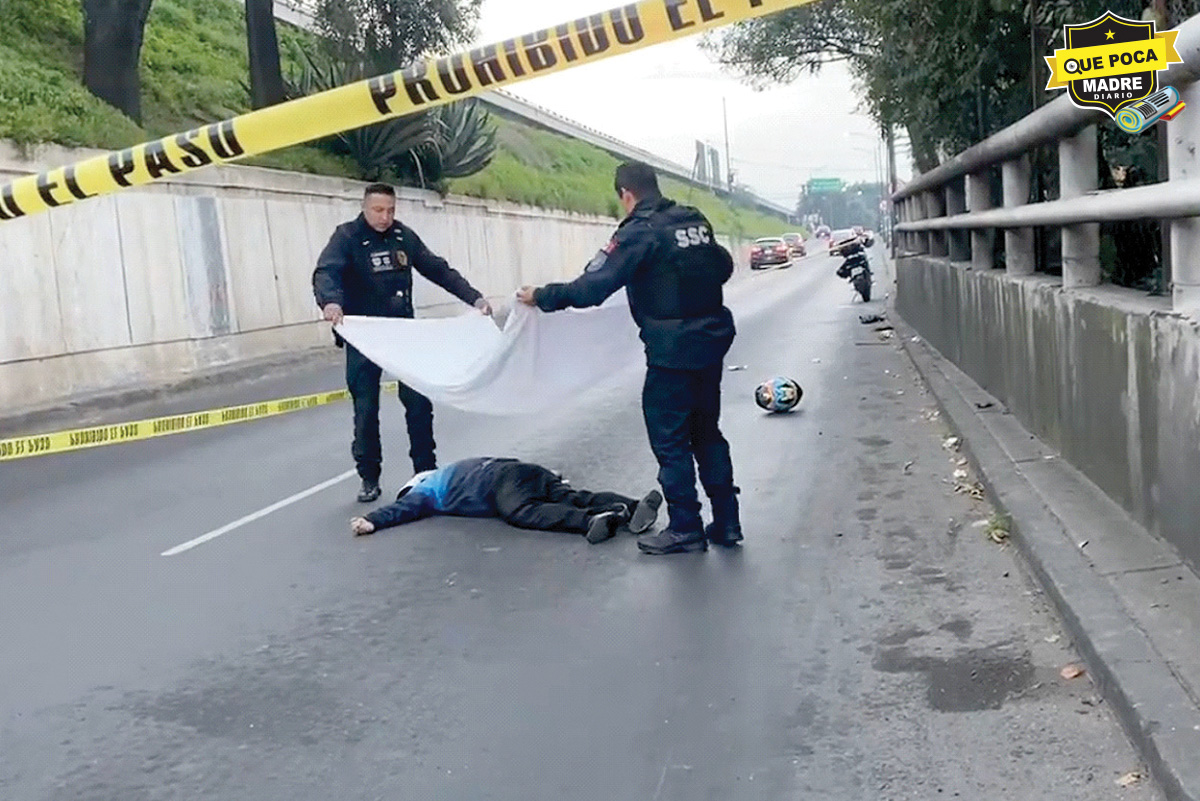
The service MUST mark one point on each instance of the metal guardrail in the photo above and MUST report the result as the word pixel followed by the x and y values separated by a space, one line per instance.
pixel 937 208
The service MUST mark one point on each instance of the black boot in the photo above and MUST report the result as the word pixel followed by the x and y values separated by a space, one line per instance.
pixel 645 514
pixel 726 528
pixel 603 526
pixel 369 491
pixel 670 541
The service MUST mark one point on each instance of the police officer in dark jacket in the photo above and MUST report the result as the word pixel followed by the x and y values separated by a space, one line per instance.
pixel 366 269
pixel 673 268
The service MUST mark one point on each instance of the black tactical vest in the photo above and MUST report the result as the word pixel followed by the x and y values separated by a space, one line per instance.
pixel 684 279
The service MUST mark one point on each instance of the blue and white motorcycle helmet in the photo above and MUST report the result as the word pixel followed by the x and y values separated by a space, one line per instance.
pixel 778 394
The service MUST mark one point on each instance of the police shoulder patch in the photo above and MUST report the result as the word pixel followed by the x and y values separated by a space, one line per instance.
pixel 598 262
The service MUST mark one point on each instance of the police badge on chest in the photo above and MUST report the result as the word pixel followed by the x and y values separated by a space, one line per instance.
pixel 383 261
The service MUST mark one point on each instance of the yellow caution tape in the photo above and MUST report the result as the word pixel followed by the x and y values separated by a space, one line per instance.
pixel 422 85
pixel 119 433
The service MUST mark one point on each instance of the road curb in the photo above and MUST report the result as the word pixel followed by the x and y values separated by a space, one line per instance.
pixel 87 408
pixel 1158 714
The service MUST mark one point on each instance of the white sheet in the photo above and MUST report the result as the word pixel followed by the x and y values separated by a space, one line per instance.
pixel 536 362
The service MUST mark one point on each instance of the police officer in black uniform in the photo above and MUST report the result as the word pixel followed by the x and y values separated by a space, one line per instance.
pixel 673 268
pixel 366 269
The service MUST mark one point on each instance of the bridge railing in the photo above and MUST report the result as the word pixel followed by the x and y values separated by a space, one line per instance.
pixel 948 211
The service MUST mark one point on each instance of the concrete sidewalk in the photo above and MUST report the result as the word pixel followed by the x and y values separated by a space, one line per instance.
pixel 1128 600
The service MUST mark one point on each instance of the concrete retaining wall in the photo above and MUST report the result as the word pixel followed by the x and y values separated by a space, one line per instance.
pixel 153 284
pixel 1107 376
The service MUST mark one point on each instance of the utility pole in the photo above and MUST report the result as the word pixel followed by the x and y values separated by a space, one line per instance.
pixel 728 160
pixel 890 133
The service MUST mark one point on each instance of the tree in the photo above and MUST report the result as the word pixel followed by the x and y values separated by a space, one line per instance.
pixel 952 73
pixel 112 45
pixel 266 74
pixel 388 34
pixel 941 69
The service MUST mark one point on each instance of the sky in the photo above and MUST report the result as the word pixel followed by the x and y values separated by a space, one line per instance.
pixel 665 97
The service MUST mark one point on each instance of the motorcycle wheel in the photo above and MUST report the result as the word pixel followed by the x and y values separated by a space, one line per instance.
pixel 863 285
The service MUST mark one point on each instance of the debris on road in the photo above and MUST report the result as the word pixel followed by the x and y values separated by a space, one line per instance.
pixel 999 529
pixel 868 319
pixel 1130 779
pixel 974 490
pixel 1072 672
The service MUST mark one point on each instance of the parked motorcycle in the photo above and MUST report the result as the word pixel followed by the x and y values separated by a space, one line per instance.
pixel 855 267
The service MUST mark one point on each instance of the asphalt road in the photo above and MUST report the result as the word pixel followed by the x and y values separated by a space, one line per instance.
pixel 868 642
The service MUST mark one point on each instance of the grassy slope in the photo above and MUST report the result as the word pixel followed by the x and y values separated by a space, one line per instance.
pixel 548 170
pixel 194 66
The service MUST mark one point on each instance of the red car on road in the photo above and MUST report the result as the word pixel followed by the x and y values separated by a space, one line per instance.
pixel 769 250
pixel 796 243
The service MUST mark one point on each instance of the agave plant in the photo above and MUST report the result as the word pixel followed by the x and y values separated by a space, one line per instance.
pixel 466 138
pixel 421 149
pixel 380 148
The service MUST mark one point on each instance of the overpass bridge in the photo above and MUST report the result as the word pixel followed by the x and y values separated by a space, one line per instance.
pixel 874 638
pixel 870 640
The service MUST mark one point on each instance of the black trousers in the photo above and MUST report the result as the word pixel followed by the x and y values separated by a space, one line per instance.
pixel 530 496
pixel 362 379
pixel 682 410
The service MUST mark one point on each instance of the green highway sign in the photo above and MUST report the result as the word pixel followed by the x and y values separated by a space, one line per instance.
pixel 820 186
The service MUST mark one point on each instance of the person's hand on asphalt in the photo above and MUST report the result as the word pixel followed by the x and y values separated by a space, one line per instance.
pixel 525 295
pixel 484 306
pixel 334 313
pixel 361 525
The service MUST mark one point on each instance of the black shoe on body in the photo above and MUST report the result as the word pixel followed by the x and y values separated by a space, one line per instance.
pixel 670 541
pixel 645 514
pixel 603 526
pixel 369 491
pixel 727 535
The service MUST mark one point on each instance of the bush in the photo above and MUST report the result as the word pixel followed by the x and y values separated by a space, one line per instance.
pixel 47 105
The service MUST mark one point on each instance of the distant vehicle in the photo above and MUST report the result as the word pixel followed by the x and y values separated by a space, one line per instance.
pixel 867 237
pixel 796 243
pixel 769 250
pixel 823 232
pixel 838 237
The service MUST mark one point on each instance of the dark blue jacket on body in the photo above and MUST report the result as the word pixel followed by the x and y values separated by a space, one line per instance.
pixel 465 488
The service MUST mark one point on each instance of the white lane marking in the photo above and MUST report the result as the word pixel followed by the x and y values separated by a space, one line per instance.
pixel 261 513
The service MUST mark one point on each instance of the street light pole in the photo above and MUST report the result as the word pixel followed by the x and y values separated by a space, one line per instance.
pixel 728 159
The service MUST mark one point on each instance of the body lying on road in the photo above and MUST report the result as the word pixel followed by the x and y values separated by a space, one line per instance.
pixel 522 494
